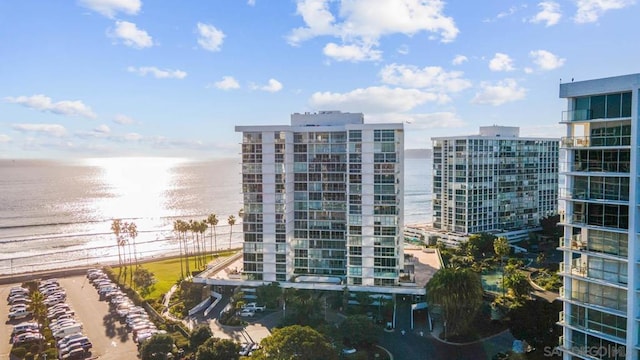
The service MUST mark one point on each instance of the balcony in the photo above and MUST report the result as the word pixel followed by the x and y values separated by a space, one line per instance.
pixel 574 268
pixel 575 115
pixel 574 141
pixel 575 243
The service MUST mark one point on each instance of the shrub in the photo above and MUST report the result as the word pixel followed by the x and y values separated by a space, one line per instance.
pixel 19 352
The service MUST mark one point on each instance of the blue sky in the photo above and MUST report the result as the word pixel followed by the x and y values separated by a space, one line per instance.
pixel 93 78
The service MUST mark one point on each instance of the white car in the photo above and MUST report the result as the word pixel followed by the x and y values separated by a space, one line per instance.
pixel 247 313
pixel 254 306
pixel 19 314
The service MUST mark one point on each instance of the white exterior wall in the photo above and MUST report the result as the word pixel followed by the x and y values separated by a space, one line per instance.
pixel 598 87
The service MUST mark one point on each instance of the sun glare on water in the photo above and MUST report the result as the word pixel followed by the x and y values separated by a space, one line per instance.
pixel 137 186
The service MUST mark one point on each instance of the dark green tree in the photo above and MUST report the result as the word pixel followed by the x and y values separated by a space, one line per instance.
pixel 295 342
pixel 459 293
pixel 199 335
pixel 481 245
pixel 269 294
pixel 359 330
pixel 157 347
pixel 144 280
pixel 517 283
pixel 218 349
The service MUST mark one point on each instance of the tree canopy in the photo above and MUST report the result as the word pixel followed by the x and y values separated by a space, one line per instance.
pixel 459 293
pixel 157 347
pixel 501 247
pixel 359 330
pixel 199 335
pixel 269 294
pixel 218 349
pixel 295 342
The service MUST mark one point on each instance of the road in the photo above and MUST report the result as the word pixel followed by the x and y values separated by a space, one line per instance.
pixel 5 330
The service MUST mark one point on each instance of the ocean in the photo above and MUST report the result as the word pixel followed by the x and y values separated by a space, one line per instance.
pixel 57 214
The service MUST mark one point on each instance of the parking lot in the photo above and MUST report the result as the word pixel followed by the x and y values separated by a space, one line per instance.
pixel 110 339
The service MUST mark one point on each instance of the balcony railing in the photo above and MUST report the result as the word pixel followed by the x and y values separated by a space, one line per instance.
pixel 574 141
pixel 574 268
pixel 576 115
pixel 587 141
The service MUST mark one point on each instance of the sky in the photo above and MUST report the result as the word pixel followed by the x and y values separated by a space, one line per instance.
pixel 93 78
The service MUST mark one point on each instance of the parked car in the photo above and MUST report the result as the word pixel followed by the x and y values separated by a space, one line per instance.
pixel 25 327
pixel 19 314
pixel 247 313
pixel 254 306
pixel 62 342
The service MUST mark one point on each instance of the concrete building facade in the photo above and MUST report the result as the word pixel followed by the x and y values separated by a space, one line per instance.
pixel 495 182
pixel 599 211
pixel 323 201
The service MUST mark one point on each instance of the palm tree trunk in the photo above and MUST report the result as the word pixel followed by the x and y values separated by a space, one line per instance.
pixel 181 269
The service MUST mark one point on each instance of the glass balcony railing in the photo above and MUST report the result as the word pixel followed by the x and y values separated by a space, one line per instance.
pixel 570 142
pixel 576 115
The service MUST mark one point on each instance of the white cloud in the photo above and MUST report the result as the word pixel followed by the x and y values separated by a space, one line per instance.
pixel 590 10
pixel 132 137
pixel 546 60
pixel 430 77
pixel 251 2
pixel 102 129
pixel 273 86
pixel 351 52
pixel 158 73
pixel 4 138
pixel 459 59
pixel 403 49
pixel 504 14
pixel 549 13
pixel 501 62
pixel 130 35
pixel 377 99
pixel 122 119
pixel 499 93
pixel 227 83
pixel 55 130
pixel 110 8
pixel 210 38
pixel 44 103
pixel 358 22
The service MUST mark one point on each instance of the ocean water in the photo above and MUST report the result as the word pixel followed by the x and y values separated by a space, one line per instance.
pixel 59 213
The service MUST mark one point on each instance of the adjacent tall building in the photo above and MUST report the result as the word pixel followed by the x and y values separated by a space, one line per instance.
pixel 599 205
pixel 323 200
pixel 495 182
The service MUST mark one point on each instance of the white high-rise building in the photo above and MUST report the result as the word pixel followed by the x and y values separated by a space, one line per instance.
pixel 599 210
pixel 494 182
pixel 323 200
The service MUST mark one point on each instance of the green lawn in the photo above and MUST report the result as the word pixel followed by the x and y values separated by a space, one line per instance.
pixel 167 272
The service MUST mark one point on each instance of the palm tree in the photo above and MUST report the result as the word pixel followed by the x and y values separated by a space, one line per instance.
pixel 213 221
pixel 458 292
pixel 176 230
pixel 125 230
pixel 183 228
pixel 133 234
pixel 116 227
pixel 501 248
pixel 231 221
pixel 202 229
pixel 38 307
